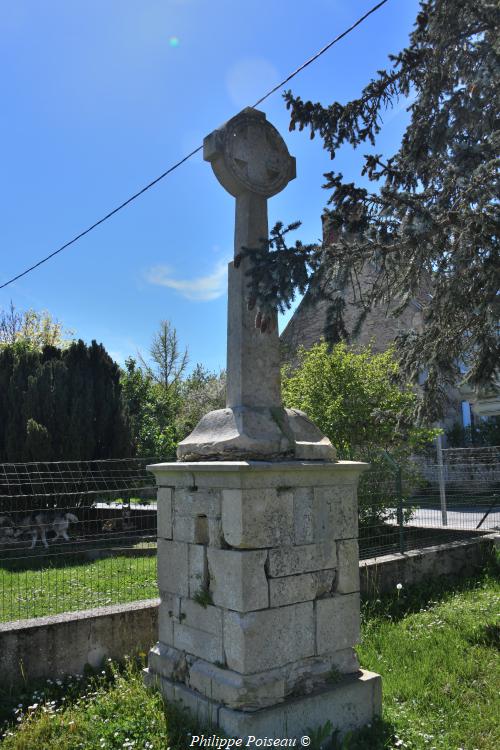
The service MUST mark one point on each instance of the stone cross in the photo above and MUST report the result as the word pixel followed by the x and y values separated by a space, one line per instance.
pixel 251 161
pixel 258 567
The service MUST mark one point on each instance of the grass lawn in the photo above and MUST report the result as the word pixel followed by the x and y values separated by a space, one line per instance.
pixel 436 648
pixel 440 665
pixel 59 587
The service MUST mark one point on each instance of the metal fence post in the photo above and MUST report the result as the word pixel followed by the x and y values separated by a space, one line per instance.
pixel 399 493
pixel 442 486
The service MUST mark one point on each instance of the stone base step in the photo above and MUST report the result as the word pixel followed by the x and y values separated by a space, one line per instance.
pixel 350 704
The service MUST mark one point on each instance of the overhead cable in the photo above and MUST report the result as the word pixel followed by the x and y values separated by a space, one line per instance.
pixel 192 153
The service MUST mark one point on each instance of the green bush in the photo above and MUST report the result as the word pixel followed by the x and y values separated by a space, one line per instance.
pixel 355 397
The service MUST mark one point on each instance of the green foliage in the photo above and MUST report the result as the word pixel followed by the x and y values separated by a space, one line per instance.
pixel 432 646
pixel 378 495
pixel 38 442
pixel 35 329
pixel 38 585
pixel 322 737
pixel 203 597
pixel 428 223
pixel 73 402
pixel 108 709
pixel 151 410
pixel 168 363
pixel 60 404
pixel 355 399
pixel 201 392
pixel 152 395
pixel 334 676
pixel 162 416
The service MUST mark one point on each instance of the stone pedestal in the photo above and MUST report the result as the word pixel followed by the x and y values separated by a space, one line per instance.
pixel 259 582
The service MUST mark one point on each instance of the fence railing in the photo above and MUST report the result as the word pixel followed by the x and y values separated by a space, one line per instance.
pixel 82 534
pixel 75 535
pixel 427 501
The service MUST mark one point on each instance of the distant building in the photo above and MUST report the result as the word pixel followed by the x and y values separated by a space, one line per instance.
pixel 310 323
pixel 485 402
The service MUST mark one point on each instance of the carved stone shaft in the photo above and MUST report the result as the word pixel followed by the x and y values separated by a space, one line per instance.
pixel 251 161
pixel 253 361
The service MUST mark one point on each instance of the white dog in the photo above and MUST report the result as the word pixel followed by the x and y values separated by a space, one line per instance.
pixel 43 521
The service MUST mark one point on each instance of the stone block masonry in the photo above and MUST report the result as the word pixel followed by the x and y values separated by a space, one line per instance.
pixel 267 607
pixel 266 544
pixel 50 647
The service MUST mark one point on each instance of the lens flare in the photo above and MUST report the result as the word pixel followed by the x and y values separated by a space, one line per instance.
pixel 174 41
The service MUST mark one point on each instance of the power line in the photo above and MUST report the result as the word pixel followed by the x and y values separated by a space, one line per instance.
pixel 321 52
pixel 196 150
pixel 104 218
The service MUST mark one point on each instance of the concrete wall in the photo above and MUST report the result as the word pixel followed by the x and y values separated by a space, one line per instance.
pixel 64 644
pixel 455 560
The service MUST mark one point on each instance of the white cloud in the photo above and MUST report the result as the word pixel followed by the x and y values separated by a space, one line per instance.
pixel 200 289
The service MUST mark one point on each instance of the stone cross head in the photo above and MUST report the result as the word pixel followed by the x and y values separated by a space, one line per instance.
pixel 248 155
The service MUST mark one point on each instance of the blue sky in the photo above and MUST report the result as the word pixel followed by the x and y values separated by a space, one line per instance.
pixel 98 98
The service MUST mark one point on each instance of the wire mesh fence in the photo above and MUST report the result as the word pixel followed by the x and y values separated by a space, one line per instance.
pixel 76 535
pixel 428 501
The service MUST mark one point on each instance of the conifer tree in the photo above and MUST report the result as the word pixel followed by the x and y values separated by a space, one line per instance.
pixel 6 368
pixel 431 219
pixel 81 435
pixel 112 434
pixel 25 363
pixel 61 404
pixel 38 442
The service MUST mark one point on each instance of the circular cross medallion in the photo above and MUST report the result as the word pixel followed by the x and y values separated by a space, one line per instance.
pixel 251 156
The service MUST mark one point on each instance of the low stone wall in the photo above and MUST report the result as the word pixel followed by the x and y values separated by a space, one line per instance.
pixel 455 560
pixel 64 644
